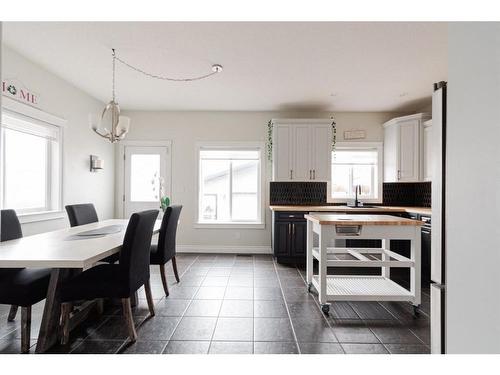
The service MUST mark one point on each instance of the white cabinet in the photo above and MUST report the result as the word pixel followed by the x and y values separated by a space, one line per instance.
pixel 404 149
pixel 428 151
pixel 302 150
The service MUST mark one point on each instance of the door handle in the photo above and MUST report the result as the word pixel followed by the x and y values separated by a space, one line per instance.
pixel 314 174
pixel 399 174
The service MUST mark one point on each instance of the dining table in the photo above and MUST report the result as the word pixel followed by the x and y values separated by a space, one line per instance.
pixel 66 252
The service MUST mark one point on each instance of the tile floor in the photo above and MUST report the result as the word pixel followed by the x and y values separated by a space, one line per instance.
pixel 241 304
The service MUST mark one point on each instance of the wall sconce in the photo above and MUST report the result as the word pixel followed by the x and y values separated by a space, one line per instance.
pixel 96 163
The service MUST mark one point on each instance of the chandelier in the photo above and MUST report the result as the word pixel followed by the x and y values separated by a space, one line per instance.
pixel 111 125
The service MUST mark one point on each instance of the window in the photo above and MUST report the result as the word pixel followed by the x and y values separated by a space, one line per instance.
pixel 230 189
pixel 30 164
pixel 356 164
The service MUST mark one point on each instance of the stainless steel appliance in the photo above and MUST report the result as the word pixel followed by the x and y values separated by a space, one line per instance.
pixel 438 239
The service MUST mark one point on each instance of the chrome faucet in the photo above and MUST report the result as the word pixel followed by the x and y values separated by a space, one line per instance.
pixel 357 190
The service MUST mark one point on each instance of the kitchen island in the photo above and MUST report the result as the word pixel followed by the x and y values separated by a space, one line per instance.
pixel 322 232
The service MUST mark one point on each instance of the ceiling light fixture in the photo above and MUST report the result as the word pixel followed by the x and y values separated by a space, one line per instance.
pixel 120 125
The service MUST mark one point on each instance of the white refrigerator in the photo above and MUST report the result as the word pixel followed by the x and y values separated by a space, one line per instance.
pixel 438 238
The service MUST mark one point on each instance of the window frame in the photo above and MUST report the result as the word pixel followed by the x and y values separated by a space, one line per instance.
pixel 239 146
pixel 54 189
pixel 359 146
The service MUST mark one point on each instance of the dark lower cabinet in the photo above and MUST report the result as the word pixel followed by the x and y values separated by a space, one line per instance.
pixel 289 237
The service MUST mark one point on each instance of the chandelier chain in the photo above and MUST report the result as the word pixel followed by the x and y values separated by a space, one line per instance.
pixel 114 69
pixel 164 78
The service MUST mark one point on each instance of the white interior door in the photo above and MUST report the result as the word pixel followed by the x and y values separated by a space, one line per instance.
pixel 146 175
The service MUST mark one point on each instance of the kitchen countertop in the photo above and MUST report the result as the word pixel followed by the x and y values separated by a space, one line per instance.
pixel 329 219
pixel 346 209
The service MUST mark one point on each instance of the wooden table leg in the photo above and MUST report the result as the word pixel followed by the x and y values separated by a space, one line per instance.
pixel 51 313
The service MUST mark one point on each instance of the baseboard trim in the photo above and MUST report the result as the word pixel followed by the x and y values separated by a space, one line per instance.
pixel 224 249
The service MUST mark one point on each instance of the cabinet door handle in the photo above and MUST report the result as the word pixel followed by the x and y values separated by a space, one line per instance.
pixel 314 174
pixel 399 174
pixel 291 174
pixel 289 229
pixel 310 174
pixel 293 229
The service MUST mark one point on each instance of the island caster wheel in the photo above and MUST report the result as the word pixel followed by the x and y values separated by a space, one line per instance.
pixel 309 286
pixel 325 308
pixel 416 311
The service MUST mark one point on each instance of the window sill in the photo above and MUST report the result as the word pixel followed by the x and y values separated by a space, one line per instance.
pixel 41 216
pixel 229 225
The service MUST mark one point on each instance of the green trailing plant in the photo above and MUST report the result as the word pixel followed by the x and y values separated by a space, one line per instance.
pixel 270 141
pixel 334 133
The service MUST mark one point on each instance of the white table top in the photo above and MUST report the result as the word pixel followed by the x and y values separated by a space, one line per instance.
pixel 62 248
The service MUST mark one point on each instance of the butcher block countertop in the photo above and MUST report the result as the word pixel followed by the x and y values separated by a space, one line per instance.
pixel 330 219
pixel 388 209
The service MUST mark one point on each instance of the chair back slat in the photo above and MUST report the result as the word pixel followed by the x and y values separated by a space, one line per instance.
pixel 168 232
pixel 134 255
pixel 81 214
pixel 10 227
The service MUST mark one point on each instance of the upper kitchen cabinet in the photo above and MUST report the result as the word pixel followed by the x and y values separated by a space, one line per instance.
pixel 302 149
pixel 404 148
pixel 428 155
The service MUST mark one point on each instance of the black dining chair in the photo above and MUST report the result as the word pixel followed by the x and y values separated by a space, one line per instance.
pixel 164 251
pixel 20 286
pixel 85 213
pixel 81 214
pixel 116 280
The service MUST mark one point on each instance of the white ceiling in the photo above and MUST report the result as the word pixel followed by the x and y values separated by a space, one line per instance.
pixel 267 66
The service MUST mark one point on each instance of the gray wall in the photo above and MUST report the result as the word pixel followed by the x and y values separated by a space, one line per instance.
pixel 187 128
pixel 64 100
pixel 473 189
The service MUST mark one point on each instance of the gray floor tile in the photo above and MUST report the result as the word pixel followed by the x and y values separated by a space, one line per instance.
pixel 297 294
pixel 312 330
pixel 146 347
pixel 267 282
pixel 268 294
pixel 293 282
pixel 243 281
pixel 273 329
pixel 304 309
pixel 320 348
pixel 394 334
pixel 171 307
pixel 195 329
pixel 236 308
pixel 407 349
pixel 364 349
pixel 97 347
pixel 221 347
pixel 238 293
pixel 182 292
pixel 354 331
pixel 157 328
pixel 270 309
pixel 219 271
pixel 202 307
pixel 275 348
pixel 187 347
pixel 342 310
pixel 210 292
pixel 234 329
pixel 215 281
pixel 371 311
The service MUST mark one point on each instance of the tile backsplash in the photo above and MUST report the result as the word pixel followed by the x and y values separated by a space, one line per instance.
pixel 416 194
pixel 297 193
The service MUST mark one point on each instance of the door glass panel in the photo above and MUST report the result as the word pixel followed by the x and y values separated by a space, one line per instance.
pixel 144 178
